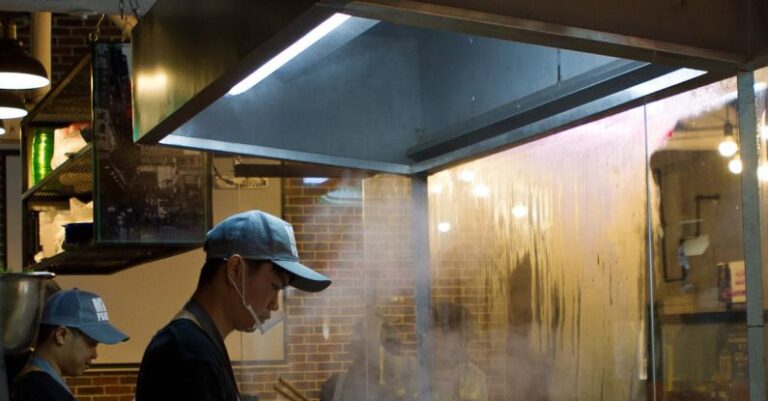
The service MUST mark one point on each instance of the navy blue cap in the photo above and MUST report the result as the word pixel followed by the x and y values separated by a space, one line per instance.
pixel 258 235
pixel 84 311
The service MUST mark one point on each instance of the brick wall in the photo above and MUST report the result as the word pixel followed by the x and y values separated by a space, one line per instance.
pixel 107 386
pixel 69 41
pixel 367 254
pixel 363 253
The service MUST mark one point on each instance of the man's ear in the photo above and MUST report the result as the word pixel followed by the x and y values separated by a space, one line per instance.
pixel 60 335
pixel 234 264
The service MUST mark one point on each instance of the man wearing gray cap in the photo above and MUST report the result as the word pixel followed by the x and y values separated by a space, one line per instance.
pixel 250 257
pixel 74 322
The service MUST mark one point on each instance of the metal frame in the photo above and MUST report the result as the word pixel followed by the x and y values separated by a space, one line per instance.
pixel 750 209
pixel 421 286
pixel 509 27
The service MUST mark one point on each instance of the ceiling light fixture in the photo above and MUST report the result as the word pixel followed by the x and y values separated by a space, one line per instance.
pixel 467 175
pixel 19 70
pixel 762 172
pixel 735 166
pixel 519 211
pixel 11 106
pixel 326 27
pixel 481 191
pixel 728 146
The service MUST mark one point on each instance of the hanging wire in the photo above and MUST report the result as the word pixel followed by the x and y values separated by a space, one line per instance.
pixel 94 35
pixel 134 8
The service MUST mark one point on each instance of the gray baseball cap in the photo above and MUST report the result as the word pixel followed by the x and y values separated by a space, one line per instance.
pixel 84 311
pixel 257 235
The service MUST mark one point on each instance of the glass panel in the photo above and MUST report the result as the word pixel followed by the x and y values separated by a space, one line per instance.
pixel 144 194
pixel 539 270
pixel 761 103
pixel 539 261
pixel 699 281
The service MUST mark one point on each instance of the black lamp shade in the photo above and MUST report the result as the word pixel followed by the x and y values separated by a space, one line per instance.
pixel 18 70
pixel 11 105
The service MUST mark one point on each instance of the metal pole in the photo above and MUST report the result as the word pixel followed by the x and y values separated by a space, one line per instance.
pixel 421 291
pixel 651 331
pixel 40 46
pixel 750 208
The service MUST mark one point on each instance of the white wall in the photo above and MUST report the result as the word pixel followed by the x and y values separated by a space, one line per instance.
pixel 142 299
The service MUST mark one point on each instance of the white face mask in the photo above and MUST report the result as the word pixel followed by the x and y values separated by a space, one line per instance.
pixel 265 326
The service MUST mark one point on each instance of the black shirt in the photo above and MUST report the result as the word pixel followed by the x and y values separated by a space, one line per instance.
pixel 38 386
pixel 185 362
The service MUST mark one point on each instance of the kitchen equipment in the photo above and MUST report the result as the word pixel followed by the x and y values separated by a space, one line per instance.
pixel 21 306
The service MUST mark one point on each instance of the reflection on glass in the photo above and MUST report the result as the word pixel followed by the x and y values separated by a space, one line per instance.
pixel 549 265
pixel 540 268
pixel 699 283
pixel 761 109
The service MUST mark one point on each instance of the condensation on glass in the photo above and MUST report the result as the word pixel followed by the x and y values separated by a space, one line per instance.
pixel 700 282
pixel 544 245
pixel 601 262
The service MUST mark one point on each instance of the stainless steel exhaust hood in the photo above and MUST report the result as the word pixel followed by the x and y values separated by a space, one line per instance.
pixel 416 87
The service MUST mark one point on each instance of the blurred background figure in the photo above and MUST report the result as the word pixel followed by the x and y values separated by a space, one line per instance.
pixel 74 323
pixel 454 376
pixel 380 370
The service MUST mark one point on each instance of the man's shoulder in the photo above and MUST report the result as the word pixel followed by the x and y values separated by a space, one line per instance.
pixel 183 338
pixel 38 386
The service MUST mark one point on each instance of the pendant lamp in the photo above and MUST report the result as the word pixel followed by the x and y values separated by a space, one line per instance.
pixel 11 106
pixel 19 70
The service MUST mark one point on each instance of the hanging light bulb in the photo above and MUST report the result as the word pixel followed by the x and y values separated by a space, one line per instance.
pixel 735 165
pixel 728 146
pixel 762 172
pixel 444 227
pixel 467 175
pixel 18 70
pixel 481 191
pixel 11 106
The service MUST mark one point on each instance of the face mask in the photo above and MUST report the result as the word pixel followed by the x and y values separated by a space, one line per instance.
pixel 257 323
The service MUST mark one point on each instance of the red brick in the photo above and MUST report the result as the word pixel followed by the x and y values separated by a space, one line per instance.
pixel 89 390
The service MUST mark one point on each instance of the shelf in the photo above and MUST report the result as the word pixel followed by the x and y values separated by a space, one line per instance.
pixel 107 259
pixel 706 317
pixel 73 178
pixel 146 198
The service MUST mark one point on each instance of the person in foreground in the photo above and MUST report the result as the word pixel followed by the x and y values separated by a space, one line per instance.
pixel 74 322
pixel 250 257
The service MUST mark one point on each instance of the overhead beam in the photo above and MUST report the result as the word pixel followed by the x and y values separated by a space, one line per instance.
pixel 703 34
pixel 569 94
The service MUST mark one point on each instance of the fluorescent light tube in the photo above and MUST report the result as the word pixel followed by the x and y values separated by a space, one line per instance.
pixel 289 53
